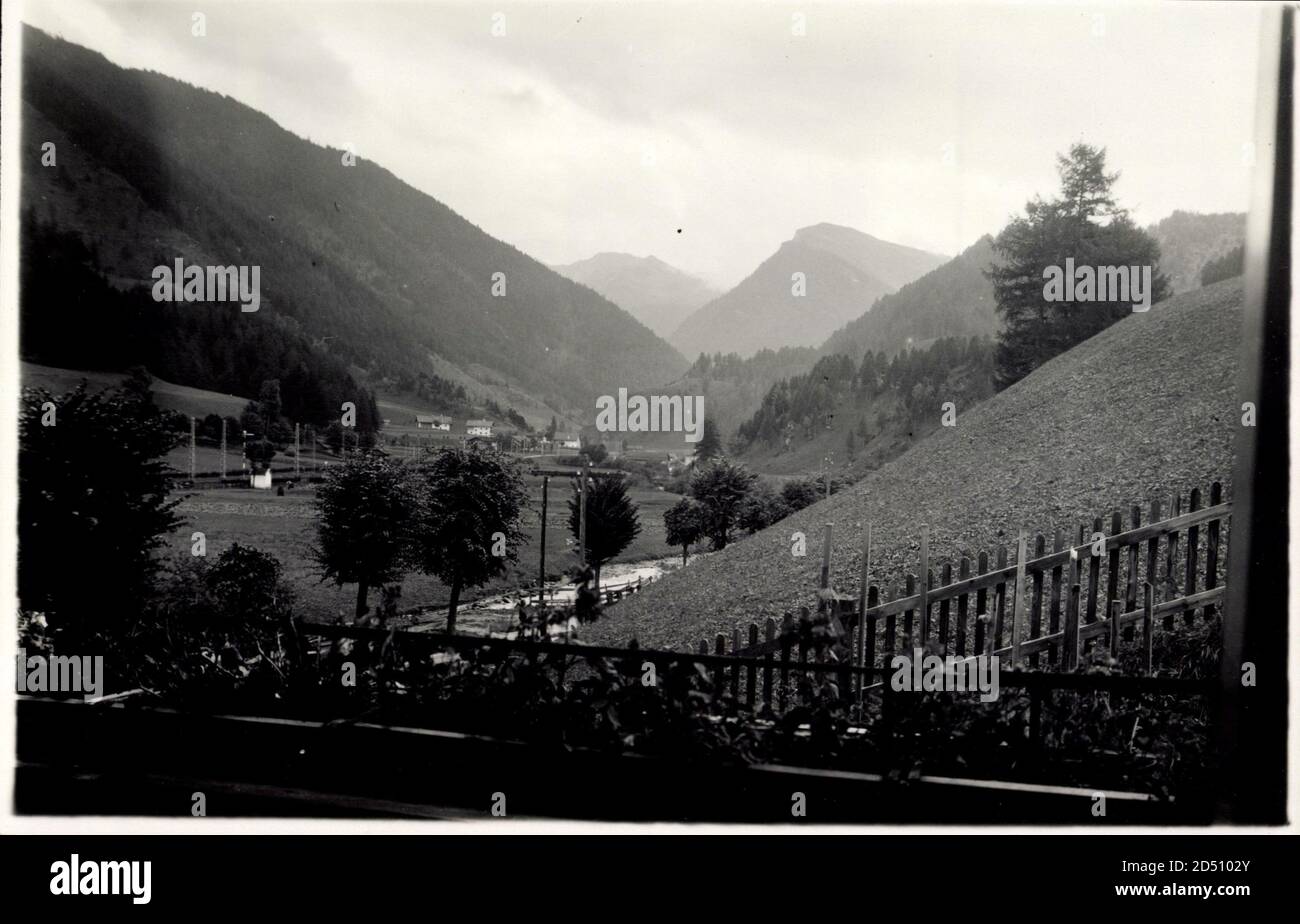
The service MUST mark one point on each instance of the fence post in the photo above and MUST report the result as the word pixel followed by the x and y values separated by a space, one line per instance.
pixel 1018 613
pixel 873 600
pixel 1094 576
pixel 1112 560
pixel 735 668
pixel 787 630
pixel 1148 614
pixel 1212 548
pixel 770 637
pixel 909 616
pixel 719 649
pixel 963 607
pixel 1001 601
pixel 891 627
pixel 926 579
pixel 1054 604
pixel 1071 654
pixel 1131 587
pixel 750 670
pixel 1193 538
pixel 860 655
pixel 1171 556
pixel 990 636
pixel 945 609
pixel 1116 610
pixel 1036 598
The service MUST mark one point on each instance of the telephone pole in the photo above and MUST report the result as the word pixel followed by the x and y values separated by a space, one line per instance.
pixel 223 448
pixel 541 565
pixel 297 452
pixel 582 517
pixel 193 460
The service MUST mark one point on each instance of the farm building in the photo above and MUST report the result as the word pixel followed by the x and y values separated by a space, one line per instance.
pixel 478 428
pixel 432 422
pixel 567 441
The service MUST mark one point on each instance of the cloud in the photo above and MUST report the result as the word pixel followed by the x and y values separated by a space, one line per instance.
pixel 609 126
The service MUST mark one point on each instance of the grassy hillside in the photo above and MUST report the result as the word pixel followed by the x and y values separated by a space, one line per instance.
pixel 1142 410
pixel 194 402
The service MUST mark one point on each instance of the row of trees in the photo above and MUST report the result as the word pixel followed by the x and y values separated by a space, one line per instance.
pixel 454 514
pixel 725 497
pixel 1230 264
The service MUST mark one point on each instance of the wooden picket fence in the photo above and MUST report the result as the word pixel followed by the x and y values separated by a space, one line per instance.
pixel 1053 606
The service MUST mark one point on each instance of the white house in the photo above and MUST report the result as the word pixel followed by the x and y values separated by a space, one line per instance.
pixel 260 479
pixel 432 422
pixel 567 441
pixel 478 428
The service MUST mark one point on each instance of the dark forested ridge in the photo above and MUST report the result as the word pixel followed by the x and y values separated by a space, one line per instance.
pixel 209 346
pixel 149 169
pixel 1188 240
pixel 954 300
pixel 856 414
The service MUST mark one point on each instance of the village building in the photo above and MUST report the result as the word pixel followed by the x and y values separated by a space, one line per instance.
pixel 432 422
pixel 478 428
pixel 567 441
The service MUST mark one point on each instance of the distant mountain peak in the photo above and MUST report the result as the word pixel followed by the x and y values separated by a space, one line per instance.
pixel 656 293
pixel 844 271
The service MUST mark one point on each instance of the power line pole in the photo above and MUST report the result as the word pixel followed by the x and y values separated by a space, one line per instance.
pixel 193 460
pixel 297 452
pixel 582 517
pixel 223 448
pixel 541 566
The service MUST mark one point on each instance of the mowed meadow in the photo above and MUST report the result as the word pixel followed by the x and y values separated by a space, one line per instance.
pixel 286 528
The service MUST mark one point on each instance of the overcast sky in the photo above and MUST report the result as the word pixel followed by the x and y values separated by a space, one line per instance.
pixel 602 126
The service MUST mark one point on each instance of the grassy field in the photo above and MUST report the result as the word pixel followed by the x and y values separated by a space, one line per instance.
pixel 286 528
pixel 194 402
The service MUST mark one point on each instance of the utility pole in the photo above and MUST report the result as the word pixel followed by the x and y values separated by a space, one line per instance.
pixel 582 476
pixel 582 517
pixel 541 566
pixel 297 452
pixel 193 460
pixel 223 448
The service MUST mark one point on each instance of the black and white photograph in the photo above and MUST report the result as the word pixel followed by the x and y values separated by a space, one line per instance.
pixel 865 416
